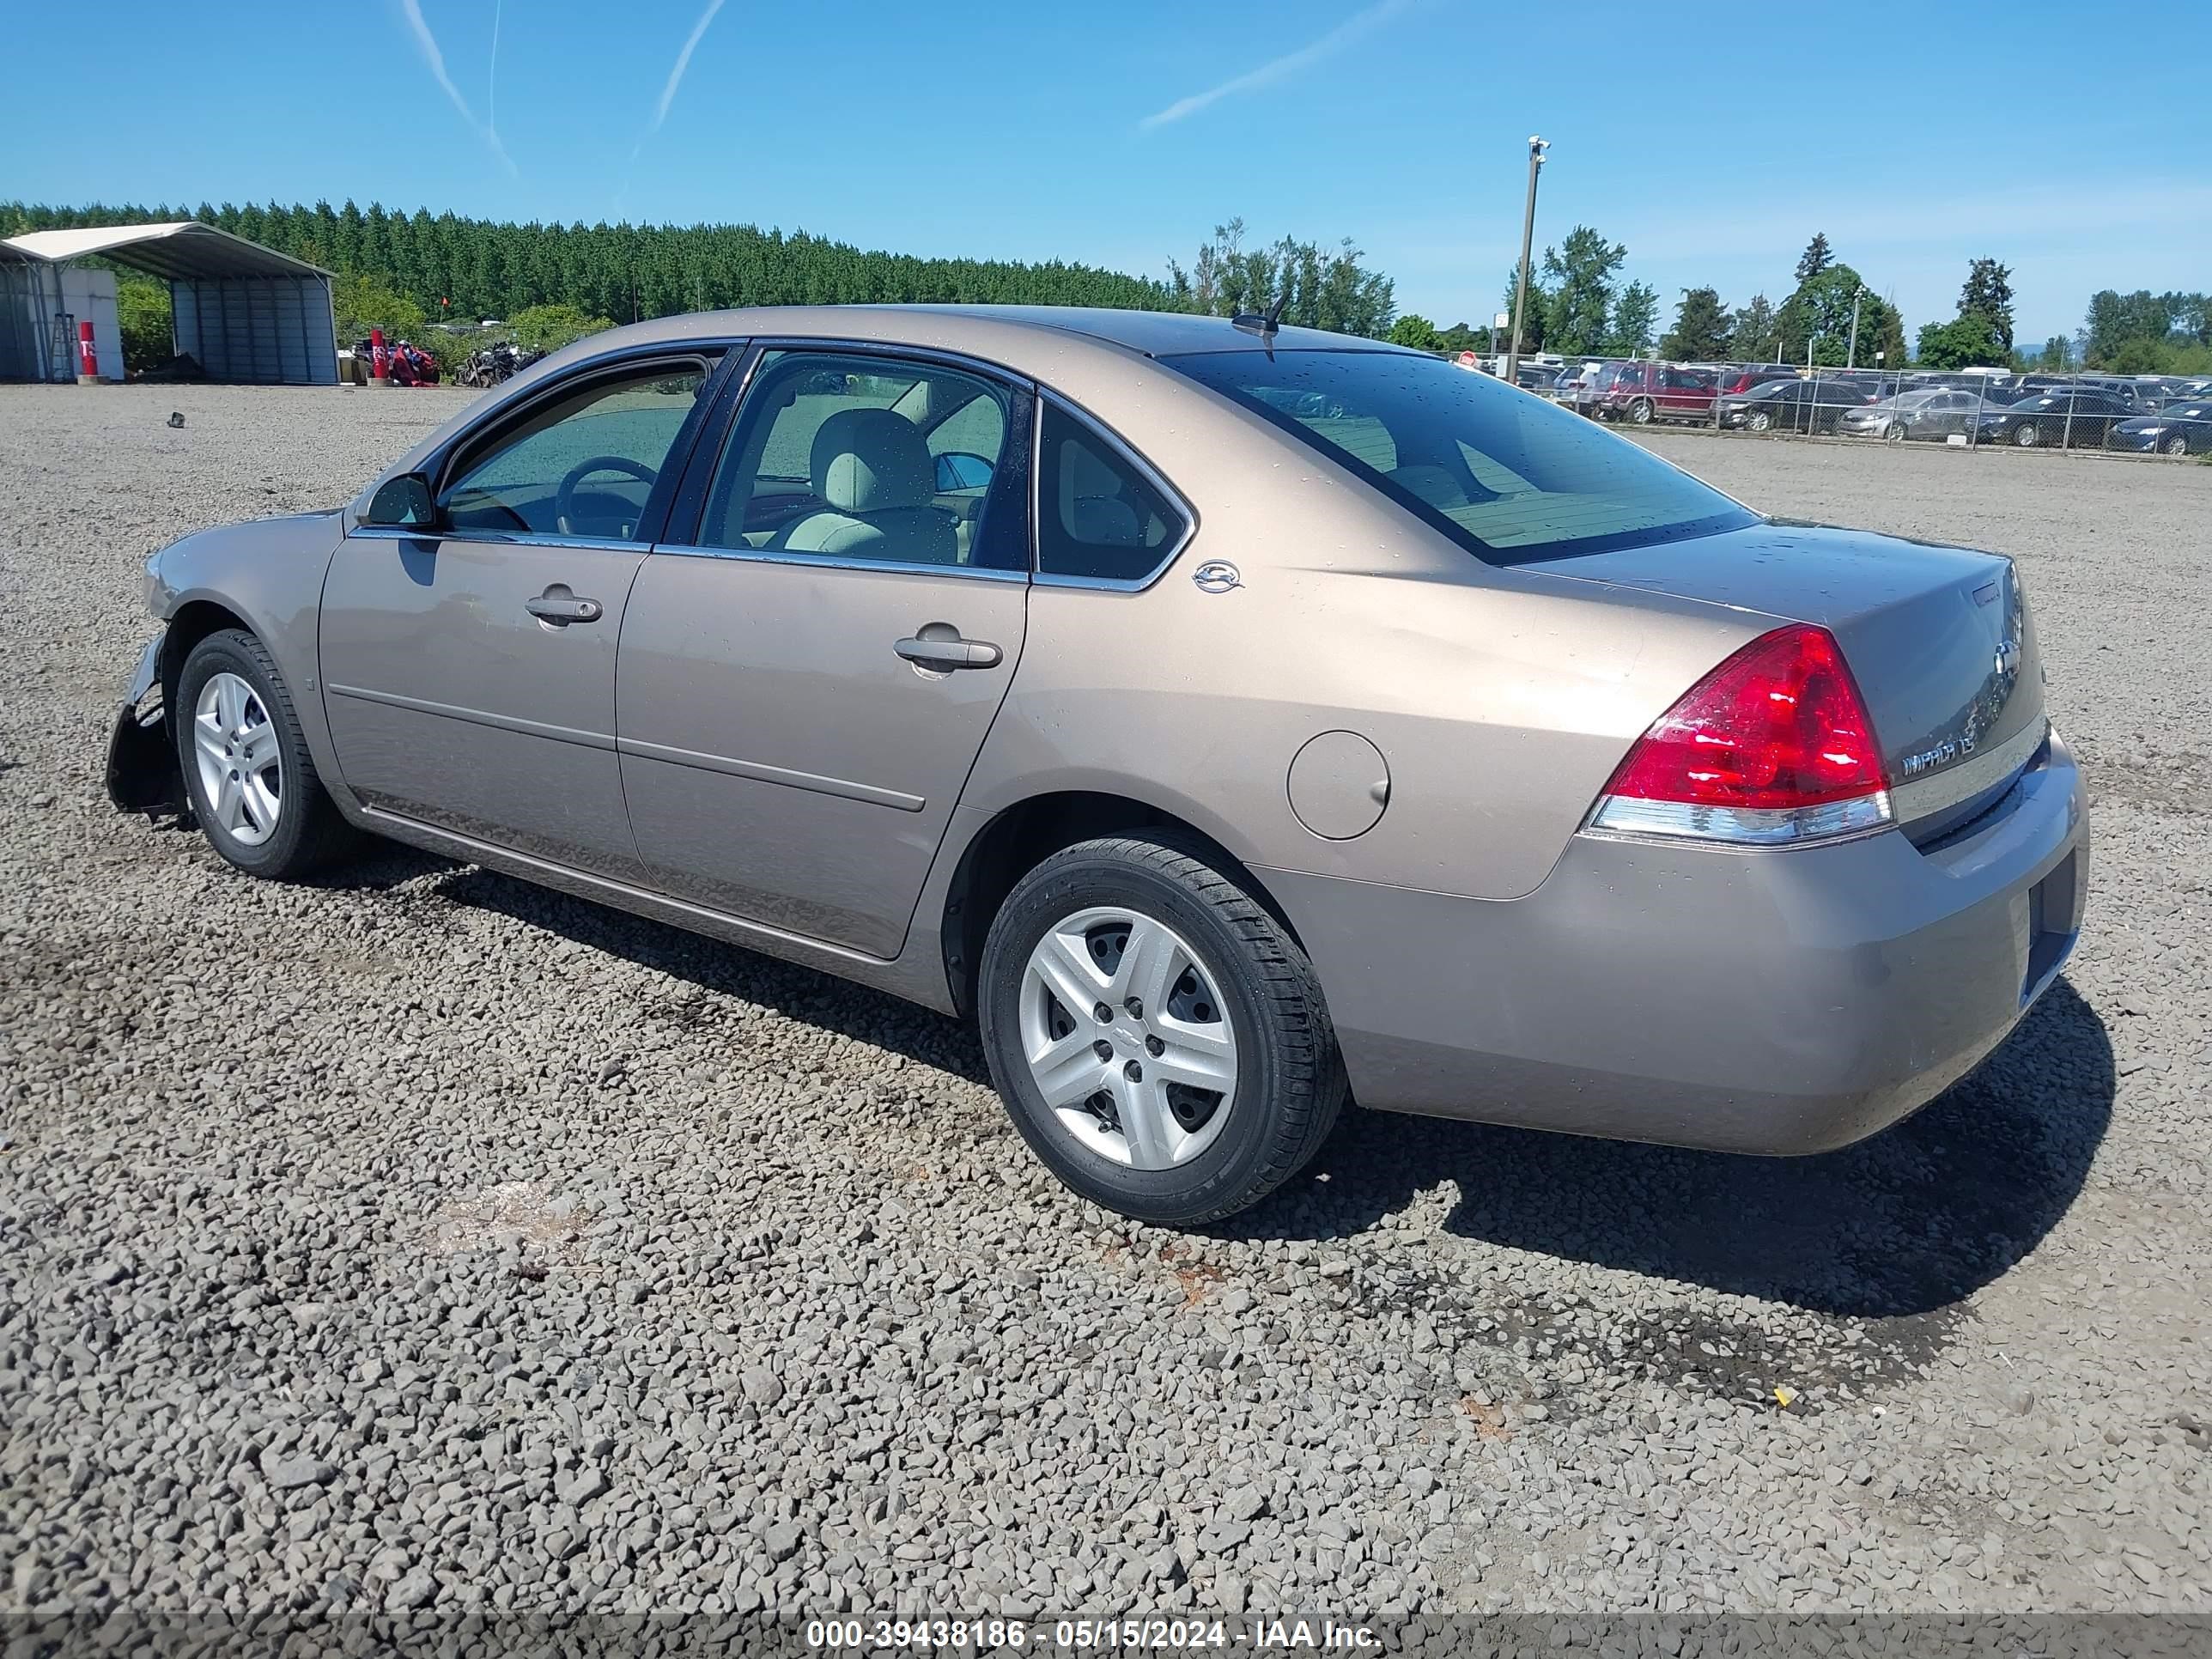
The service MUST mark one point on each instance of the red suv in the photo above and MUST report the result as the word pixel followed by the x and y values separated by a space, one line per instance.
pixel 1644 393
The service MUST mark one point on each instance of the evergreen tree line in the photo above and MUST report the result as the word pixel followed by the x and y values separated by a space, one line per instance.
pixel 462 269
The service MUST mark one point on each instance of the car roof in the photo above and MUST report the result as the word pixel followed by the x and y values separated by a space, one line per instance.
pixel 1154 333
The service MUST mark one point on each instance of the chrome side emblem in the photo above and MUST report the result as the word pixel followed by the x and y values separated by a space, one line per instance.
pixel 1216 576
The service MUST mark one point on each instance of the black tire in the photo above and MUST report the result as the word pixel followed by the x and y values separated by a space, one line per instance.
pixel 2177 444
pixel 1287 1096
pixel 1759 420
pixel 310 833
pixel 1643 412
pixel 2027 435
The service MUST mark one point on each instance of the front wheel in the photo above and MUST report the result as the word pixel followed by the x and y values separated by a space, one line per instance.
pixel 1159 1038
pixel 253 784
pixel 1642 411
pixel 2027 435
pixel 2177 444
pixel 1759 420
pixel 1894 433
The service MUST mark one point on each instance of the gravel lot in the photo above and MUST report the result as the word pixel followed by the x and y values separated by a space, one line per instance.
pixel 423 1240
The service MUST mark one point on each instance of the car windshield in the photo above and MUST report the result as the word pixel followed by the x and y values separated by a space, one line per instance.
pixel 1510 478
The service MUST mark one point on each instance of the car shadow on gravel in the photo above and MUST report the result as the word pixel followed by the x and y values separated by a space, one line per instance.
pixel 1903 1223
pixel 730 971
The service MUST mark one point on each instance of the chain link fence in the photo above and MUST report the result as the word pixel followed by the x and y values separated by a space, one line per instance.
pixel 2162 414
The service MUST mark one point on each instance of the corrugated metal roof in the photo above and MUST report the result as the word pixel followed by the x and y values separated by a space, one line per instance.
pixel 185 249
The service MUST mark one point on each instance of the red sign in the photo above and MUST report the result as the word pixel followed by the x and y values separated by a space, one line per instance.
pixel 87 360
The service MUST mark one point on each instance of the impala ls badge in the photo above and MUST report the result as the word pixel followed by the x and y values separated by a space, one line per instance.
pixel 1216 576
pixel 2008 658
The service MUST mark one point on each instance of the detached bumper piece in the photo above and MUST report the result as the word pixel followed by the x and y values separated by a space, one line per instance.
pixel 142 753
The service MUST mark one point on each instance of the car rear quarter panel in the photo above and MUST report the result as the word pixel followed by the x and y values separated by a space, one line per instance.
pixel 1501 699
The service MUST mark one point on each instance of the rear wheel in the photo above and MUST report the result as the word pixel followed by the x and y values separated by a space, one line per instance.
pixel 253 784
pixel 1157 1037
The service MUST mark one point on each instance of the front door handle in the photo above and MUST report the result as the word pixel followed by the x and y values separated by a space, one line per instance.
pixel 558 605
pixel 939 646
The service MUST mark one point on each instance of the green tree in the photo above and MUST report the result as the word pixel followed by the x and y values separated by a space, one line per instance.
pixel 1635 320
pixel 1579 299
pixel 1416 331
pixel 1967 341
pixel 1814 259
pixel 1701 331
pixel 2057 352
pixel 359 302
pixel 1457 338
pixel 1819 315
pixel 1533 316
pixel 141 314
pixel 1751 337
pixel 547 328
pixel 1987 295
pixel 2115 318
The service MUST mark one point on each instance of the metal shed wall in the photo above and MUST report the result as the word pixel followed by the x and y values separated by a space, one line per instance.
pixel 271 331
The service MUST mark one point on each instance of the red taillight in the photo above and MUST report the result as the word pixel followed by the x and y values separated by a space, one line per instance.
pixel 1773 747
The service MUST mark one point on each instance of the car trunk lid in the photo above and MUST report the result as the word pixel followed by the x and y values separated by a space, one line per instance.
pixel 1939 639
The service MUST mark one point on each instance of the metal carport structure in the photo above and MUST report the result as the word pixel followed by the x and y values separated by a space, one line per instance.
pixel 243 312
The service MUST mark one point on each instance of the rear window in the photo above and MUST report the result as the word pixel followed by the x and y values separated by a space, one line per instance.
pixel 1511 478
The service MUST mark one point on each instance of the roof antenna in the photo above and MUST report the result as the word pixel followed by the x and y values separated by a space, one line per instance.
pixel 1267 325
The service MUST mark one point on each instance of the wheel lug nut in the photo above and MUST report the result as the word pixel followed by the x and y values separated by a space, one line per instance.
pixel 1102 1048
pixel 1102 1014
pixel 1154 1047
pixel 1136 1008
pixel 1133 1071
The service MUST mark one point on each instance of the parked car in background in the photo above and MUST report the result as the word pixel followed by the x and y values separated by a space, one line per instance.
pixel 1784 804
pixel 2179 428
pixel 1930 414
pixel 1804 406
pixel 1735 382
pixel 2071 416
pixel 1641 393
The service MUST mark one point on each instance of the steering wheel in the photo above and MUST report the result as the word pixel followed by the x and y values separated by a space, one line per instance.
pixel 564 498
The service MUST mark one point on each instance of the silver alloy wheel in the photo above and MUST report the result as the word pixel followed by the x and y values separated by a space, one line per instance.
pixel 2177 444
pixel 1759 420
pixel 241 773
pixel 2027 435
pixel 1126 1038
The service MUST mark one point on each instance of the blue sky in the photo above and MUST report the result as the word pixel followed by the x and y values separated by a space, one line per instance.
pixel 1713 139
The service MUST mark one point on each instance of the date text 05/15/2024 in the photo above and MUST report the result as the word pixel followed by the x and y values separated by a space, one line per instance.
pixel 1089 1635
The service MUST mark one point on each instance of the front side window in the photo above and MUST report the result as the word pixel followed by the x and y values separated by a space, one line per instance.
pixel 1098 518
pixel 1511 479
pixel 579 464
pixel 881 459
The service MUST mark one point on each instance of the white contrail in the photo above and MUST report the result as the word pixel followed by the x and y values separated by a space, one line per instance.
pixel 491 92
pixel 427 43
pixel 683 62
pixel 1279 69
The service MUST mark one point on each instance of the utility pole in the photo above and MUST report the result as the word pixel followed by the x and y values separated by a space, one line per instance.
pixel 1536 149
pixel 1851 357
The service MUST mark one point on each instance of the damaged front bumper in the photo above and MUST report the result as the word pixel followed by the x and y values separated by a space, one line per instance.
pixel 143 774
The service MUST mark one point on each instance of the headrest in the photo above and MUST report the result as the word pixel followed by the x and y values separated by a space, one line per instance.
pixel 872 460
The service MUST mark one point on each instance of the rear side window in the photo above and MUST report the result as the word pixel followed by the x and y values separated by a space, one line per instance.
pixel 1098 518
pixel 1510 478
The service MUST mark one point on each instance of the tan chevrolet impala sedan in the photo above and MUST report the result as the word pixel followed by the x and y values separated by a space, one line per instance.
pixel 1230 720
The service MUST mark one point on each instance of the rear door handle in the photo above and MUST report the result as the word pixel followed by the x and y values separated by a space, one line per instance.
pixel 558 605
pixel 939 647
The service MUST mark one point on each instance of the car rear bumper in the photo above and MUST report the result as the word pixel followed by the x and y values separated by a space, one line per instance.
pixel 1770 1001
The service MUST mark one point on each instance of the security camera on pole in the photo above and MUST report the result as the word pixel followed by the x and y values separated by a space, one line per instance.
pixel 1536 149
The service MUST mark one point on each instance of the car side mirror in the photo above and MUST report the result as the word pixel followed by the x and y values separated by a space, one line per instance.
pixel 403 501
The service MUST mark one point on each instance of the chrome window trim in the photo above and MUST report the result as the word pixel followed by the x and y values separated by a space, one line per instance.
pixel 1921 797
pixel 830 561
pixel 1152 475
pixel 548 538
